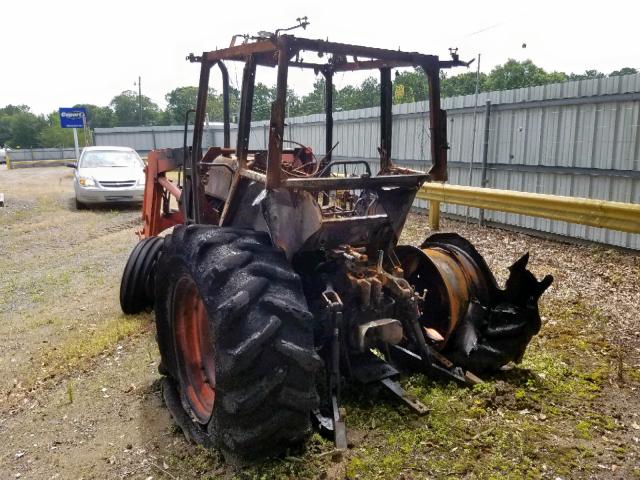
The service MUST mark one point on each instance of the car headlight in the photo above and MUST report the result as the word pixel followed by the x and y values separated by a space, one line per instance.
pixel 87 182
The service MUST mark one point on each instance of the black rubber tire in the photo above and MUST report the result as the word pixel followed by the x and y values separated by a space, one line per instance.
pixel 263 349
pixel 80 205
pixel 137 287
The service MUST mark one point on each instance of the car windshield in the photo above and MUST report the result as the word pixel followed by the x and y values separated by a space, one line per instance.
pixel 110 158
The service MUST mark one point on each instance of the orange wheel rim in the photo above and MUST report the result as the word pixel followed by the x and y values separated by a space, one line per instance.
pixel 194 349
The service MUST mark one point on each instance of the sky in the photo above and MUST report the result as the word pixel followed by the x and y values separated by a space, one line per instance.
pixel 58 53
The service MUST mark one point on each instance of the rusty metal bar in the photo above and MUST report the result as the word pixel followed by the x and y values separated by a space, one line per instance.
pixel 225 104
pixel 239 52
pixel 193 177
pixel 244 122
pixel 328 110
pixel 485 154
pixel 170 187
pixel 413 58
pixel 434 215
pixel 620 216
pixel 276 128
pixel 437 127
pixel 385 118
pixel 253 175
pixel 346 183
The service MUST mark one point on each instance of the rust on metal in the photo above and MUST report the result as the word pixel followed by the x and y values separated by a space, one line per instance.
pixel 195 357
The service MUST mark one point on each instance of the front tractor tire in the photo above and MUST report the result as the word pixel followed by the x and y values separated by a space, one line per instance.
pixel 236 342
pixel 138 278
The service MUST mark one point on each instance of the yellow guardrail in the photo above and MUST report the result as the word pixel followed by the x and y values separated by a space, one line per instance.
pixel 585 211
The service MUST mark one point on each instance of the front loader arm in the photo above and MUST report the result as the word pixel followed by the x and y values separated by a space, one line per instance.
pixel 156 212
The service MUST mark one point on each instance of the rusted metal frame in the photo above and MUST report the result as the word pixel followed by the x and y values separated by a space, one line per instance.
pixel 225 105
pixel 192 180
pixel 240 52
pixel 366 52
pixel 159 162
pixel 339 67
pixel 437 126
pixel 371 65
pixel 253 175
pixel 328 110
pixel 385 118
pixel 276 127
pixel 244 122
pixel 170 187
pixel 333 183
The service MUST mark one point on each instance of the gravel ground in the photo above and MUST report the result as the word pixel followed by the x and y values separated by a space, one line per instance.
pixel 79 395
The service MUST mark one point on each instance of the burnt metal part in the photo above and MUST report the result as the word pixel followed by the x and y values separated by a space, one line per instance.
pixel 483 327
pixel 386 100
pixel 368 368
pixel 405 396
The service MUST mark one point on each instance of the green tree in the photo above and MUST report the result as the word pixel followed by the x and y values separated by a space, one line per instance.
pixel 623 71
pixel 25 128
pixel 53 135
pixel 181 99
pixel 263 96
pixel 410 86
pixel 313 102
pixel 98 117
pixel 462 84
pixel 127 111
pixel 588 74
pixel 515 74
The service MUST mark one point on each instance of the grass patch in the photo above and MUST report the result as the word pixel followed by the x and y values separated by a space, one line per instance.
pixel 81 347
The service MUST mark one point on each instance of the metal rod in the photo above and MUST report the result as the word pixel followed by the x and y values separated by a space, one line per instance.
pixel 328 110
pixel 276 132
pixel 244 122
pixel 485 154
pixel 225 105
pixel 385 118
pixel 437 127
pixel 201 110
pixel 140 98
pixel 473 135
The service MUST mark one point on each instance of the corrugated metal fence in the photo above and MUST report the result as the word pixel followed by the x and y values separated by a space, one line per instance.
pixel 38 157
pixel 574 138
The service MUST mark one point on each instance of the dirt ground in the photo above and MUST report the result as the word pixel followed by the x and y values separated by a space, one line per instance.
pixel 79 391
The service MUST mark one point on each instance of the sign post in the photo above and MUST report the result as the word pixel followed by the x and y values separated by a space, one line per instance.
pixel 73 118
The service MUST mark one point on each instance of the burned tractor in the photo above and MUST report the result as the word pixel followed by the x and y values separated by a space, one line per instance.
pixel 282 278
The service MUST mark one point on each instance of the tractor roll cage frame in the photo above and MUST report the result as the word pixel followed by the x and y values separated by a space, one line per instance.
pixel 283 52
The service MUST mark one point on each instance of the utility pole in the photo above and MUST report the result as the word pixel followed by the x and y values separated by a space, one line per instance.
pixel 139 99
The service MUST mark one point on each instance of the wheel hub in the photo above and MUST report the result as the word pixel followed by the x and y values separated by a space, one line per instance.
pixel 194 350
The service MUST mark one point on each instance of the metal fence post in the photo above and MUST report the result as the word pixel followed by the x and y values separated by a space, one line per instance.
pixel 485 154
pixel 434 215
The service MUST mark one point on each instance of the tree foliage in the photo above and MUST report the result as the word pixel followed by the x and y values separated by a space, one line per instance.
pixel 130 110
pixel 19 127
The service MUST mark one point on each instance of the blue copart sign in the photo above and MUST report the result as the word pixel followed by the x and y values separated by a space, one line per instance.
pixel 72 117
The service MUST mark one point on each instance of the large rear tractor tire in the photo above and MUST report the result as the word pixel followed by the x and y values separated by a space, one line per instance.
pixel 236 342
pixel 137 287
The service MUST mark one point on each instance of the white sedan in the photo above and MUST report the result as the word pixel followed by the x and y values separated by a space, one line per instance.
pixel 108 174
